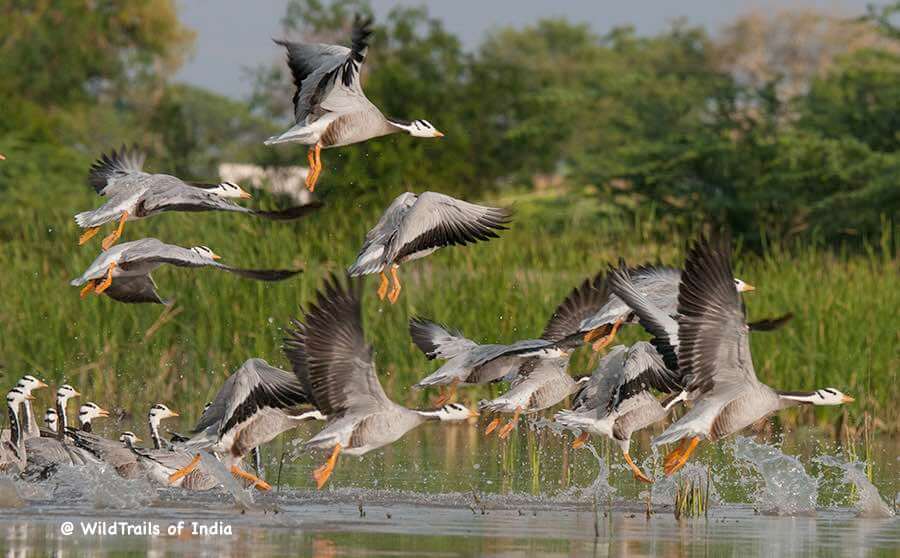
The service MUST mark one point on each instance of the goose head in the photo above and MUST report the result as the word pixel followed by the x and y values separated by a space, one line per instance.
pixel 64 393
pixel 418 128
pixel 129 438
pixel 230 190
pixel 455 412
pixel 743 287
pixel 29 383
pixel 51 419
pixel 205 252
pixel 159 412
pixel 90 411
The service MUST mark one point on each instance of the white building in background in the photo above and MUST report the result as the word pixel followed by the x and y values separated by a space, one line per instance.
pixel 288 181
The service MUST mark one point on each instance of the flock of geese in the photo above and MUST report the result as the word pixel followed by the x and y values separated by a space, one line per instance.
pixel 699 353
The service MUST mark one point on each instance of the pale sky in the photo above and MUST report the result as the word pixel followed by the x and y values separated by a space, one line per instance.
pixel 236 34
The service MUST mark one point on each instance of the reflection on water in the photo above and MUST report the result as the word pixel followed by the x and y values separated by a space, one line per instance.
pixel 449 492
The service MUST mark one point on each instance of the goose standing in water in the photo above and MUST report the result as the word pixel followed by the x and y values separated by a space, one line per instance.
pixel 158 413
pixel 469 363
pixel 13 452
pixel 28 421
pixel 123 272
pixel 134 194
pixel 616 402
pixel 48 451
pixel 51 421
pixel 256 404
pixel 330 108
pixel 712 343
pixel 415 225
pixel 331 359
pixel 88 412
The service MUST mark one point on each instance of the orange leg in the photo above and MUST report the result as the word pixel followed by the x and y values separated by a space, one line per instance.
pixel 683 458
pixel 491 426
pixel 88 288
pixel 87 235
pixel 581 440
pixel 257 482
pixel 673 456
pixel 602 343
pixel 106 282
pixel 195 462
pixel 504 432
pixel 592 335
pixel 638 474
pixel 395 291
pixel 315 167
pixel 114 236
pixel 447 393
pixel 383 287
pixel 322 473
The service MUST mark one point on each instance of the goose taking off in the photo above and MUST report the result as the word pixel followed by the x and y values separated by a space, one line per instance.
pixel 330 357
pixel 616 400
pixel 712 343
pixel 123 272
pixel 414 226
pixel 658 283
pixel 330 108
pixel 134 194
pixel 469 363
pixel 256 404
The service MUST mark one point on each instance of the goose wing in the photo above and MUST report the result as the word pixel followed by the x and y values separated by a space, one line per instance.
pixel 255 386
pixel 134 290
pixel 329 354
pixel 118 171
pixel 437 220
pixel 327 76
pixel 643 369
pixel 172 194
pixel 373 255
pixel 584 301
pixel 437 340
pixel 714 347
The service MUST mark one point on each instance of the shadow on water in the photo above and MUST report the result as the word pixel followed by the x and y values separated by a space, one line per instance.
pixel 451 492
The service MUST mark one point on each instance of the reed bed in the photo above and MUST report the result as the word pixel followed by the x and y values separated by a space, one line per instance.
pixel 845 301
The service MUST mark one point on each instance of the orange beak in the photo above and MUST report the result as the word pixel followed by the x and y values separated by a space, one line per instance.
pixel 246 195
pixel 438 134
pixel 847 399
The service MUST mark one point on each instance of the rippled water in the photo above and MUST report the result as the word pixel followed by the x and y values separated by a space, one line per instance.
pixel 446 491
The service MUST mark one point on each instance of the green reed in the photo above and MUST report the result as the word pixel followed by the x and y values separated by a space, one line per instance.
pixel 128 356
pixel 691 496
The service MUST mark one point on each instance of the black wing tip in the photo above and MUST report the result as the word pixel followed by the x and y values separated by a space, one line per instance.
pixel 771 324
pixel 109 164
pixel 419 331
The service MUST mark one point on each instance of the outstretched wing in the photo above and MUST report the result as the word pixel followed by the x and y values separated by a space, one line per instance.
pixel 584 301
pixel 113 172
pixel 437 340
pixel 134 290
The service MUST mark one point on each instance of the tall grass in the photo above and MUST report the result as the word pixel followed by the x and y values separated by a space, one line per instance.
pixel 844 335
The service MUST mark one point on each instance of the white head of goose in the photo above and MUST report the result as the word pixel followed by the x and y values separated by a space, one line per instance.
pixel 330 357
pixel 129 438
pixel 12 451
pixel 123 272
pixel 712 344
pixel 330 108
pixel 28 384
pixel 415 225
pixel 63 394
pixel 88 412
pixel 158 413
pixel 134 194
pixel 256 404
pixel 51 420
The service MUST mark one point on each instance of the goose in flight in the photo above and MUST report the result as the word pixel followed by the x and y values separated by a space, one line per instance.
pixel 469 363
pixel 133 194
pixel 255 404
pixel 616 401
pixel 330 108
pixel 123 272
pixel 710 344
pixel 415 225
pixel 329 355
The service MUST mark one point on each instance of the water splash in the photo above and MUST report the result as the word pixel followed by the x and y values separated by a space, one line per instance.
pixel 868 502
pixel 787 489
pixel 600 486
pixel 95 485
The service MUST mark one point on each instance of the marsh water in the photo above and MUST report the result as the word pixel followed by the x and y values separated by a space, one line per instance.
pixel 447 491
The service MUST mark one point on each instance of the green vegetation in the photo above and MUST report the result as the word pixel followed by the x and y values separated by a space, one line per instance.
pixel 606 146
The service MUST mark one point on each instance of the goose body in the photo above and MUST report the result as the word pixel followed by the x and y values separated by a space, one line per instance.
pixel 416 225
pixel 133 194
pixel 117 454
pixel 330 108
pixel 13 452
pixel 123 272
pixel 332 361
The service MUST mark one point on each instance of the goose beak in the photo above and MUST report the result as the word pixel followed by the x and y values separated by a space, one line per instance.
pixel 246 195
pixel 136 439
pixel 40 385
pixel 103 413
pixel 747 288
pixel 174 414
pixel 2 158
pixel 847 399
pixel 76 393
pixel 473 413
pixel 216 256
pixel 438 134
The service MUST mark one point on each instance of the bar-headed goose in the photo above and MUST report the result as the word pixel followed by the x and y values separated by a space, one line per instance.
pixel 30 426
pixel 158 413
pixel 52 449
pixel 51 421
pixel 469 363
pixel 415 225
pixel 13 452
pixel 617 402
pixel 330 108
pixel 256 404
pixel 330 357
pixel 123 272
pixel 712 343
pixel 133 194
pixel 117 454
pixel 88 412
pixel 540 383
